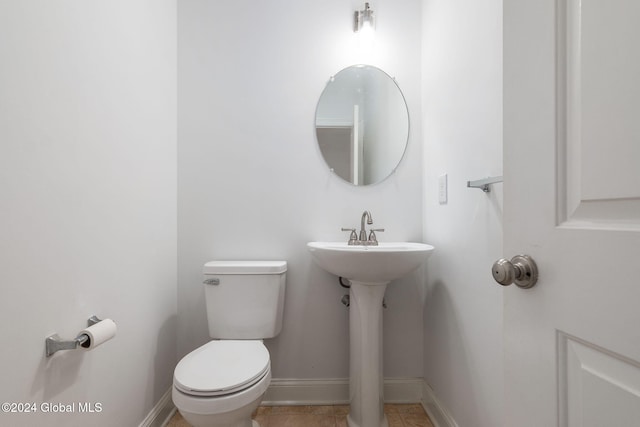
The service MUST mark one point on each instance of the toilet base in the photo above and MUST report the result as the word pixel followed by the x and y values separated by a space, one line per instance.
pixel 230 419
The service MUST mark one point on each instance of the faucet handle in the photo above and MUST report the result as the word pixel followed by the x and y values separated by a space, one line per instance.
pixel 353 237
pixel 373 240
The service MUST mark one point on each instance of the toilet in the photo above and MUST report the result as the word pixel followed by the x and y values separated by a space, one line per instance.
pixel 221 383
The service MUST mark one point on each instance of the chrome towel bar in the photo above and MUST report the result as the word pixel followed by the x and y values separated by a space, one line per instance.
pixel 483 184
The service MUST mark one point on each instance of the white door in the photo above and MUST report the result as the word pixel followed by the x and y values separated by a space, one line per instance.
pixel 572 202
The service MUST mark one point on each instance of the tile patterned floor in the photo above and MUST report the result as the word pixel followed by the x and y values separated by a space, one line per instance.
pixel 411 415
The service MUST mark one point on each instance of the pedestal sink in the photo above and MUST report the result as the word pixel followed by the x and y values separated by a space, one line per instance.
pixel 369 269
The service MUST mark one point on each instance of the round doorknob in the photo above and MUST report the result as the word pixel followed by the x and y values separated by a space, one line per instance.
pixel 521 270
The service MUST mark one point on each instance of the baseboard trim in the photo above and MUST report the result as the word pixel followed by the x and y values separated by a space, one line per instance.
pixel 438 413
pixel 336 391
pixel 307 392
pixel 161 413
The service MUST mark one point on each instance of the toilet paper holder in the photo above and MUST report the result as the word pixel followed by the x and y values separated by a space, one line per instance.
pixel 54 343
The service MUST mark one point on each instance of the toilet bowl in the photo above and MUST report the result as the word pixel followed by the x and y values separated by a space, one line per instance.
pixel 222 382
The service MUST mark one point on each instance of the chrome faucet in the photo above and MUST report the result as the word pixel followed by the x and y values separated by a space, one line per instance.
pixel 363 232
pixel 362 240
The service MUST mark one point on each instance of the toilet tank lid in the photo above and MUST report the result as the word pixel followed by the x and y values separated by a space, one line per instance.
pixel 245 267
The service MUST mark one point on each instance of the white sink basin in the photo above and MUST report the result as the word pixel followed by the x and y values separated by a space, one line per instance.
pixel 370 264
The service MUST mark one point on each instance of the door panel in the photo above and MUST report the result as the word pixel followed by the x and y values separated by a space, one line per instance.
pixel 598 388
pixel 598 104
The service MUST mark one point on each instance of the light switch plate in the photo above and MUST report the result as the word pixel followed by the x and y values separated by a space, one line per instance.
pixel 442 189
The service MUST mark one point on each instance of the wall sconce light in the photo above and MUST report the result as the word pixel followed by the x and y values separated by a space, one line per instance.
pixel 363 20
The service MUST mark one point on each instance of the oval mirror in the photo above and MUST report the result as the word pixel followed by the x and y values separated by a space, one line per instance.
pixel 362 124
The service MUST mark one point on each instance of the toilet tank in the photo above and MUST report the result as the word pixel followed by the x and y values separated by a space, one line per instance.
pixel 244 299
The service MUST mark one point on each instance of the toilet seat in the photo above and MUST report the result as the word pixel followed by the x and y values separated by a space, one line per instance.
pixel 221 368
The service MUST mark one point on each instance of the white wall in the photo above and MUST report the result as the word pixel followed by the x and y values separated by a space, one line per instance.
pixel 252 181
pixel 462 127
pixel 87 204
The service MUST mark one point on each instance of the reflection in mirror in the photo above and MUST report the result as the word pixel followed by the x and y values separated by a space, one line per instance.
pixel 362 124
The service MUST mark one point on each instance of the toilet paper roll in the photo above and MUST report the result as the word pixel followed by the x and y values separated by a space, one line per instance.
pixel 99 333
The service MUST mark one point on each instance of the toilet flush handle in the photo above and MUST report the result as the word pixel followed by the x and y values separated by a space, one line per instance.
pixel 214 281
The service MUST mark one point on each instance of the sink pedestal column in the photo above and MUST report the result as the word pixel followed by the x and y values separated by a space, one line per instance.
pixel 365 357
